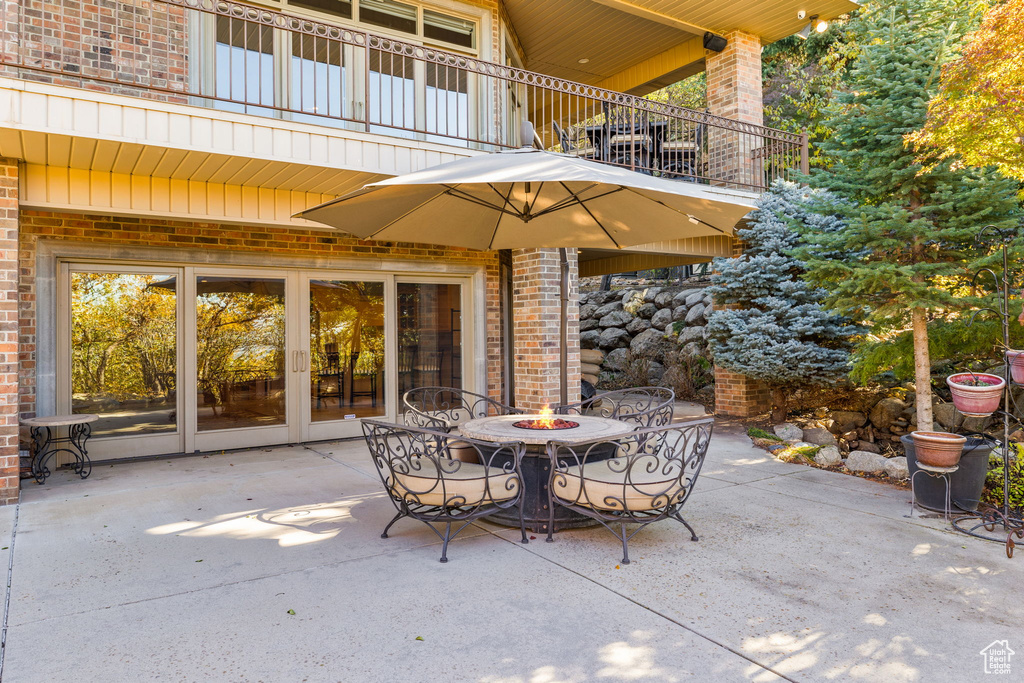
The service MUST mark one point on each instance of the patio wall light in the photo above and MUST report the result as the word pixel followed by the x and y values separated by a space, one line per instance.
pixel 814 24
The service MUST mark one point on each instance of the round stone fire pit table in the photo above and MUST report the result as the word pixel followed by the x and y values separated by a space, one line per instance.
pixel 536 466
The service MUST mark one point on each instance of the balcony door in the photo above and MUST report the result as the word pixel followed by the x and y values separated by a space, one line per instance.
pixel 185 359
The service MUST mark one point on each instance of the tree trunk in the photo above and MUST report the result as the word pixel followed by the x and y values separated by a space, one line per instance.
pixel 779 407
pixel 922 370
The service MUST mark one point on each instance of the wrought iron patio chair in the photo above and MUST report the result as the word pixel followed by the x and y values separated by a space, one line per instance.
pixel 649 479
pixel 646 406
pixel 425 482
pixel 445 408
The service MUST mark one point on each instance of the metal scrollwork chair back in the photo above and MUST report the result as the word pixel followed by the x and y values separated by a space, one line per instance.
pixel 445 408
pixel 646 406
pixel 649 476
pixel 424 481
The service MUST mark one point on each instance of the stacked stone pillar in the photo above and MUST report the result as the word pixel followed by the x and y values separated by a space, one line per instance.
pixel 9 482
pixel 536 318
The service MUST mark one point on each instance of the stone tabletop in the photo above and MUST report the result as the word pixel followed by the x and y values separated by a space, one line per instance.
pixel 500 429
pixel 60 420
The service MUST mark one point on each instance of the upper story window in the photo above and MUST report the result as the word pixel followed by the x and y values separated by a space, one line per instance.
pixel 430 25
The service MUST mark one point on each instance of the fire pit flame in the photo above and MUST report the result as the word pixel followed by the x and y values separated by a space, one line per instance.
pixel 547 420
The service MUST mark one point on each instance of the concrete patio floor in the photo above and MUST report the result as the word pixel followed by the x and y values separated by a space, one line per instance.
pixel 187 570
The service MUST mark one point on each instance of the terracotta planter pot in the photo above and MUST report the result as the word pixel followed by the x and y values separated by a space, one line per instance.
pixel 976 401
pixel 938 449
pixel 1016 360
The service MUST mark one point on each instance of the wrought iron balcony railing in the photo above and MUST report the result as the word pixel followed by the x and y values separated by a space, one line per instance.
pixel 236 57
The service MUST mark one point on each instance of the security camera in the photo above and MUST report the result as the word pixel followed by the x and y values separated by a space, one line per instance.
pixel 801 14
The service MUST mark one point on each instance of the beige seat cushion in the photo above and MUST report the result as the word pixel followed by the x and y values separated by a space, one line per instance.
pixel 675 145
pixel 602 486
pixel 459 483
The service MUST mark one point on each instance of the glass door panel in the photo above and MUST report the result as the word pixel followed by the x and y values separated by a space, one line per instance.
pixel 240 352
pixel 429 335
pixel 347 349
pixel 124 352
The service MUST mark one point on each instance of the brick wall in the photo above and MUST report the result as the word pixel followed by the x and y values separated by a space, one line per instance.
pixel 125 232
pixel 734 92
pixel 536 274
pixel 8 331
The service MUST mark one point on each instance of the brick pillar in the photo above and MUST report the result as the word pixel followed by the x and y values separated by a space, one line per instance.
pixel 9 482
pixel 737 395
pixel 734 92
pixel 535 317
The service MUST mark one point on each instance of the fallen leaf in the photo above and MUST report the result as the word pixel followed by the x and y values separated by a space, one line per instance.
pixel 616 566
pixel 198 560
pixel 291 612
pixel 533 538
pixel 419 637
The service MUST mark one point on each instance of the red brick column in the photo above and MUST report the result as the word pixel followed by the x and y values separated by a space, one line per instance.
pixel 737 395
pixel 734 92
pixel 536 321
pixel 8 332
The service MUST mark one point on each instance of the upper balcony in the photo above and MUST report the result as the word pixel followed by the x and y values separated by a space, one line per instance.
pixel 243 59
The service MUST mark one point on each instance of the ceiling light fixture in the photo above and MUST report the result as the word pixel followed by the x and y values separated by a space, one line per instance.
pixel 584 60
pixel 813 25
pixel 693 219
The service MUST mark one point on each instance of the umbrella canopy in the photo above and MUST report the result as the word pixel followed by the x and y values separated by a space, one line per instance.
pixel 528 198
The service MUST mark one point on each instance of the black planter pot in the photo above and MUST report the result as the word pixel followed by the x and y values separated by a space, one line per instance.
pixel 966 483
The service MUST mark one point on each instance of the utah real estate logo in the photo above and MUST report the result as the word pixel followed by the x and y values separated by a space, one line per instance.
pixel 997 657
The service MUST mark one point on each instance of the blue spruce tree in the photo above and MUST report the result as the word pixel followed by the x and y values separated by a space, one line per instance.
pixel 780 334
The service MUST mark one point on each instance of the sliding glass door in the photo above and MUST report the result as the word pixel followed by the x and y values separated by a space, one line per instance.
pixel 184 359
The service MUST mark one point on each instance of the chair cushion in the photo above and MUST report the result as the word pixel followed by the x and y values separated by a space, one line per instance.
pixel 604 486
pixel 674 145
pixel 458 484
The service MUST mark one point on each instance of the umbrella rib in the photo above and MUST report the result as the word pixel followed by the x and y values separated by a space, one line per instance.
pixel 464 196
pixel 494 233
pixel 573 198
pixel 681 213
pixel 592 216
pixel 390 223
pixel 536 198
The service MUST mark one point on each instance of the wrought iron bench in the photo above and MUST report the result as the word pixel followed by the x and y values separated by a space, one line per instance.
pixel 425 482
pixel 650 478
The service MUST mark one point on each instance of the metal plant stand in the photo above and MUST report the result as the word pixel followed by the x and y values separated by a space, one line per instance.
pixel 46 444
pixel 991 523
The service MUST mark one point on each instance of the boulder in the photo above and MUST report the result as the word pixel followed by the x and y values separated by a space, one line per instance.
pixel 845 420
pixel 787 431
pixel 896 468
pixel 869 447
pixel 680 298
pixel 646 343
pixel 663 299
pixel 590 369
pixel 655 371
pixel 632 301
pixel 863 461
pixel 820 436
pixel 590 339
pixel 616 360
pixel 646 311
pixel 662 318
pixel 707 298
pixel 708 310
pixel 613 338
pixel 599 298
pixel 828 456
pixel 590 378
pixel 607 308
pixel 690 334
pixel 695 315
pixel 638 325
pixel 592 356
pixel 679 313
pixel 587 311
pixel 589 324
pixel 615 319
pixel 695 297
pixel 886 412
pixel 650 293
pixel 692 349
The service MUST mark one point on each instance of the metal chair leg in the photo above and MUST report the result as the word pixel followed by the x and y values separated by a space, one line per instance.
pixel 401 513
pixel 522 521
pixel 693 534
pixel 625 546
pixel 447 537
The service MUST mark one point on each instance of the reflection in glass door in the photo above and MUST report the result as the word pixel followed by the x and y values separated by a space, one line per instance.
pixel 347 349
pixel 240 352
pixel 124 353
pixel 429 335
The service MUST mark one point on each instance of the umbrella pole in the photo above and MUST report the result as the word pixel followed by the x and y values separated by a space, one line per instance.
pixel 564 327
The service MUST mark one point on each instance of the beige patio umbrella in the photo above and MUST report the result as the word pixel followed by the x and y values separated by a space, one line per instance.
pixel 528 198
